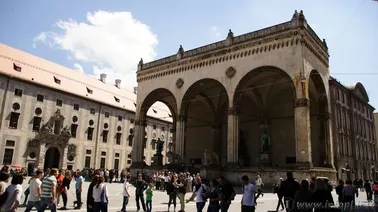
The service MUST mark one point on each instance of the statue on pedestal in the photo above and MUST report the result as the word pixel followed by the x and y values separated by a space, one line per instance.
pixel 265 142
pixel 210 158
pixel 158 157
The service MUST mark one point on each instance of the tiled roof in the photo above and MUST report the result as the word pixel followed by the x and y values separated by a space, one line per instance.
pixel 24 66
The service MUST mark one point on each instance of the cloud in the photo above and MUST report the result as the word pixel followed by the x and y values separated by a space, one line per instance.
pixel 110 42
pixel 78 67
pixel 215 31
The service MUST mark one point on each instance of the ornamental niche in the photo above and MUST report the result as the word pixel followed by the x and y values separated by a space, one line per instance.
pixel 54 132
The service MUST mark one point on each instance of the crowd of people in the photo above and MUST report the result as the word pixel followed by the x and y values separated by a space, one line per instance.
pixel 48 190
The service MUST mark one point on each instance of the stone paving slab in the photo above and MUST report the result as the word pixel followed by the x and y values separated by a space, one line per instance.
pixel 160 200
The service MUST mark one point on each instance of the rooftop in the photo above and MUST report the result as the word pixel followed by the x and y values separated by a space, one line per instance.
pixel 27 67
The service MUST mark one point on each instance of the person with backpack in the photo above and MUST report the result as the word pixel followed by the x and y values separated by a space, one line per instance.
pixel 100 196
pixel 199 191
pixel 13 194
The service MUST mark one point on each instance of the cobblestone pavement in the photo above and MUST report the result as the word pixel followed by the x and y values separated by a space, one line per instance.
pixel 266 203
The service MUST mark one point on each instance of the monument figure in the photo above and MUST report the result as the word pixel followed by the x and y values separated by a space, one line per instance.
pixel 265 142
pixel 210 158
pixel 158 157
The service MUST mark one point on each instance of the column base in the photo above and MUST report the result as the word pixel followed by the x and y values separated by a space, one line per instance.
pixel 303 165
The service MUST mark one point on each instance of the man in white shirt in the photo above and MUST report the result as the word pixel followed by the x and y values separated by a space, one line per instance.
pixel 126 193
pixel 35 191
pixel 199 189
pixel 248 200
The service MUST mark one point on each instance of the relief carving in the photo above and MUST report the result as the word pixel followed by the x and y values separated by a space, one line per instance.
pixel 179 83
pixel 230 72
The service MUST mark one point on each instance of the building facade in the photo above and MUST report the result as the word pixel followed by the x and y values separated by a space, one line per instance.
pixel 52 116
pixel 258 102
pixel 354 135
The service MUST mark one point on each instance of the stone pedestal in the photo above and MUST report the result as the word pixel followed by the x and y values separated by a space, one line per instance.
pixel 266 159
pixel 158 160
pixel 210 172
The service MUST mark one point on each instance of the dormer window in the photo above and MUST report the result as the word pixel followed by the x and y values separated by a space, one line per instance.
pixel 16 67
pixel 170 115
pixel 154 110
pixel 134 104
pixel 56 80
pixel 90 91
pixel 116 99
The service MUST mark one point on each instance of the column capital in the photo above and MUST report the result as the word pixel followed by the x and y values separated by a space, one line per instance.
pixel 182 118
pixel 302 102
pixel 233 111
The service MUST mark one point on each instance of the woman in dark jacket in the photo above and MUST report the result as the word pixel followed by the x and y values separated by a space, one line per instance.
pixel 303 197
pixel 90 200
pixel 321 197
pixel 339 191
pixel 277 190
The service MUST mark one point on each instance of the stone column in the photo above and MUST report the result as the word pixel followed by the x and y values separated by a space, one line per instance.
pixel 179 143
pixel 64 151
pixel 137 151
pixel 42 155
pixel 302 133
pixel 328 140
pixel 233 136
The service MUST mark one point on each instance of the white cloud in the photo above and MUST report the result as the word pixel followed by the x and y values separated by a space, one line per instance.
pixel 215 31
pixel 78 67
pixel 112 42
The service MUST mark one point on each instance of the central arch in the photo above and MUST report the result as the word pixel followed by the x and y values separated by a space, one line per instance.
pixel 52 158
pixel 265 99
pixel 205 108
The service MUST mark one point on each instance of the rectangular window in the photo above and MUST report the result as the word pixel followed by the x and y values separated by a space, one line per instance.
pixel 93 111
pixel 90 133
pixel 118 138
pixel 76 107
pixel 88 151
pixel 129 156
pixel 16 67
pixel 8 156
pixel 73 130
pixel 103 153
pixel 17 92
pixel 40 97
pixel 116 164
pixel 10 143
pixel 56 80
pixel 162 128
pixel 128 161
pixel 130 141
pixel 120 118
pixel 116 155
pixel 107 115
pixel 145 143
pixel 154 126
pixel 102 163
pixel 87 161
pixel 59 102
pixel 36 123
pixel 90 91
pixel 105 136
pixel 13 122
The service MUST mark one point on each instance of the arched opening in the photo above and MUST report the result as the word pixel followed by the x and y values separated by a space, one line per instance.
pixel 159 110
pixel 205 107
pixel 264 99
pixel 52 158
pixel 318 119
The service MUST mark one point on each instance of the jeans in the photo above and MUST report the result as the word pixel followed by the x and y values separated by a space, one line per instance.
pixel 149 205
pixel 64 197
pixel 172 200
pixel 248 208
pixel 31 205
pixel 200 206
pixel 100 206
pixel 78 198
pixel 224 207
pixel 141 198
pixel 46 201
pixel 280 203
pixel 213 208
pixel 124 203
pixel 181 197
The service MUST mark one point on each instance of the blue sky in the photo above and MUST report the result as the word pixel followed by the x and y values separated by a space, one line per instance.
pixel 56 31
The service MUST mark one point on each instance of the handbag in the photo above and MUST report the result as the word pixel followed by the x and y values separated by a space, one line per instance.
pixel 104 198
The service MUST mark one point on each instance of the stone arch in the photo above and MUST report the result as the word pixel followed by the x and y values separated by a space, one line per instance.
pixel 159 95
pixel 319 119
pixel 264 99
pixel 204 108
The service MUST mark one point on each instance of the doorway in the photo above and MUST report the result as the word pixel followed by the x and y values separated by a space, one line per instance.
pixel 52 158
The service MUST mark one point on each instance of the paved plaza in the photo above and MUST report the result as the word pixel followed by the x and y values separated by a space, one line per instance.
pixel 266 203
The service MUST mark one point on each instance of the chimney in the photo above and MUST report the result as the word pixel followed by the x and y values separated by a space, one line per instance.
pixel 103 78
pixel 118 83
pixel 135 90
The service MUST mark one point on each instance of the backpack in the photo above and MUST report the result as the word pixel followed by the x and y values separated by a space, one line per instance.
pixel 3 197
